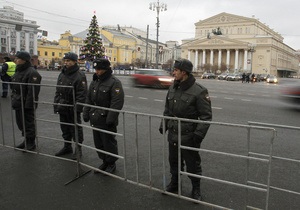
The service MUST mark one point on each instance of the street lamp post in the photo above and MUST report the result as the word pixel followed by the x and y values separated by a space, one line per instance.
pixel 156 6
pixel 251 50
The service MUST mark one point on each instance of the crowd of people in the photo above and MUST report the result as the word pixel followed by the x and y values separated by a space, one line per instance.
pixel 185 99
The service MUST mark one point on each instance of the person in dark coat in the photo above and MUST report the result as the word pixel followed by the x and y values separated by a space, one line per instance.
pixel 105 91
pixel 190 100
pixel 8 70
pixel 70 76
pixel 25 106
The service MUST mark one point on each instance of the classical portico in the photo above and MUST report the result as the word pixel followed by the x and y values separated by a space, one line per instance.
pixel 218 51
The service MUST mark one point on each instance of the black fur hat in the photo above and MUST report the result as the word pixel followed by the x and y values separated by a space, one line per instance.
pixel 184 65
pixel 23 55
pixel 102 64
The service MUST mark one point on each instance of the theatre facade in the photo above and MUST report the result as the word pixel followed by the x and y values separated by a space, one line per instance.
pixel 232 43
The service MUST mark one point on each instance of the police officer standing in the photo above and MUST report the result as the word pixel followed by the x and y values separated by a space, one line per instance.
pixel 186 99
pixel 8 70
pixel 23 97
pixel 71 76
pixel 105 91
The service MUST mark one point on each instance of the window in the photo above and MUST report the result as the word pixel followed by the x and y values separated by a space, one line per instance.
pixel 53 54
pixel 39 53
pixel 3 41
pixel 46 53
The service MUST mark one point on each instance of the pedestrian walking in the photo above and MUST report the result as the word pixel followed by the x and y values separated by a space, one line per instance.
pixel 104 91
pixel 8 70
pixel 23 97
pixel 243 77
pixel 70 76
pixel 186 99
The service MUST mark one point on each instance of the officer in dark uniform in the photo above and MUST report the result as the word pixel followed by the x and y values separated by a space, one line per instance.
pixel 71 76
pixel 105 91
pixel 186 99
pixel 25 73
pixel 8 70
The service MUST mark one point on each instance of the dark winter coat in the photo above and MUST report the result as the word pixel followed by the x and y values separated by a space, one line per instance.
pixel 75 78
pixel 25 74
pixel 190 100
pixel 104 91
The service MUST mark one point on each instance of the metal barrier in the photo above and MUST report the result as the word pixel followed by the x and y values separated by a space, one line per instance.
pixel 130 130
pixel 275 157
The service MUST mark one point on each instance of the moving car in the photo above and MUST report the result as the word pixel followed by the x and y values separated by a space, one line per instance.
pixel 272 79
pixel 234 77
pixel 156 78
pixel 222 76
pixel 291 94
pixel 208 76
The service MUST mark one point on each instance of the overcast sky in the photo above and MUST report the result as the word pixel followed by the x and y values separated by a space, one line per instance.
pixel 177 23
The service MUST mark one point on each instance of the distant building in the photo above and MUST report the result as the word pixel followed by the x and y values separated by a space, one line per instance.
pixel 227 42
pixel 17 33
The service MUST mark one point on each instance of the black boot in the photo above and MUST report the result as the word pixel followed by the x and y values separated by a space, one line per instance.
pixel 102 167
pixel 172 187
pixel 196 193
pixel 21 146
pixel 111 167
pixel 30 144
pixel 79 151
pixel 67 149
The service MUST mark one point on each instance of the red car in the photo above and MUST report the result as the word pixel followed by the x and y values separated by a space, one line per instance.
pixel 156 78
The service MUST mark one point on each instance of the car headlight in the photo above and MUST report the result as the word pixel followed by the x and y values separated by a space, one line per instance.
pixel 165 79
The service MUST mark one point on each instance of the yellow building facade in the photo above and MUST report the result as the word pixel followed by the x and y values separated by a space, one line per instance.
pixel 119 48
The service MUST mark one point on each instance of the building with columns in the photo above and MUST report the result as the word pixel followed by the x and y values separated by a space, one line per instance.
pixel 227 42
pixel 17 33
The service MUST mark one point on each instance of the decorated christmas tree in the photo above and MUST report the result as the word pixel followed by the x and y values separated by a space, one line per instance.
pixel 93 48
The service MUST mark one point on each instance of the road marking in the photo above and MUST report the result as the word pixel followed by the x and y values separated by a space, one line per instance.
pixel 213 96
pixel 266 95
pixel 128 96
pixel 251 94
pixel 159 100
pixel 246 100
pixel 143 98
pixel 216 107
pixel 228 98
pixel 237 93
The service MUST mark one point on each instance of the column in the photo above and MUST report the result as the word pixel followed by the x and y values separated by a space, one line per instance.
pixel 236 63
pixel 189 54
pixel 245 59
pixel 27 41
pixel 35 44
pixel 203 57
pixel 228 59
pixel 18 41
pixel 196 61
pixel 219 58
pixel 211 57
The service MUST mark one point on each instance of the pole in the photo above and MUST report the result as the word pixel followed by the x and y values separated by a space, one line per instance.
pixel 147 46
pixel 157 31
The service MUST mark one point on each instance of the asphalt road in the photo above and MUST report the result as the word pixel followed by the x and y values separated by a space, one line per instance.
pixel 233 102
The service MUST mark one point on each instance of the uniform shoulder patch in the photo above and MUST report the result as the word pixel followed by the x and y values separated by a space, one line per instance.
pixel 207 97
pixel 117 90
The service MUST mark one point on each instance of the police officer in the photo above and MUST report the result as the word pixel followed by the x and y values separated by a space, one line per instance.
pixel 25 94
pixel 8 70
pixel 105 91
pixel 186 99
pixel 73 77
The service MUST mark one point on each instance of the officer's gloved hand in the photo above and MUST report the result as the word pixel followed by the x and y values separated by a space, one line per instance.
pixel 161 128
pixel 198 139
pixel 86 117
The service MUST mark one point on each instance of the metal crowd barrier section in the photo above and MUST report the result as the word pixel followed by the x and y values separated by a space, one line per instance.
pixel 276 157
pixel 135 140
